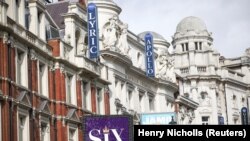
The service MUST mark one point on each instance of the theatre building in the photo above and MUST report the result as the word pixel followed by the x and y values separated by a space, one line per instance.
pixel 48 82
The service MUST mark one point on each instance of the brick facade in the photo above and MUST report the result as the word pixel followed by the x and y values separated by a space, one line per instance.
pixel 56 96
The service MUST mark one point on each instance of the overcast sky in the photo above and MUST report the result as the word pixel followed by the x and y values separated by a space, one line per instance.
pixel 228 20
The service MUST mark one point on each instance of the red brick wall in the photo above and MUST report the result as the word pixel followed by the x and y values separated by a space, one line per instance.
pixel 106 103
pixel 93 98
pixel 79 93
pixel 55 44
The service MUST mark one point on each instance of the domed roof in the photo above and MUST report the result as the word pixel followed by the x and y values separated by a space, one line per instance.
pixel 191 23
pixel 154 34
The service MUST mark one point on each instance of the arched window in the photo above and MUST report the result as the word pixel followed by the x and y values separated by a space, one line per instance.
pixel 77 38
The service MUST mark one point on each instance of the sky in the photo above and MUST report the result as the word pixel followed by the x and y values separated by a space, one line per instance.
pixel 228 20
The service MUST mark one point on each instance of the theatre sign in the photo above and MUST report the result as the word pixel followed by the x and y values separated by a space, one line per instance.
pixel 158 118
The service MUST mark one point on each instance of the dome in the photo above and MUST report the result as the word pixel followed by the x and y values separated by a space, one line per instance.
pixel 191 24
pixel 154 34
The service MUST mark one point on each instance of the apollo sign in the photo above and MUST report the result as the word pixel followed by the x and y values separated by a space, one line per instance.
pixel 149 55
pixel 108 128
pixel 93 39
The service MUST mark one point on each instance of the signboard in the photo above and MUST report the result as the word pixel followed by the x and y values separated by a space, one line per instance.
pixel 149 55
pixel 221 120
pixel 158 118
pixel 108 128
pixel 244 116
pixel 93 36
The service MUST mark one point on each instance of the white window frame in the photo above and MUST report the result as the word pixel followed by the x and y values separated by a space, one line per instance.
pixel 47 130
pixel 84 89
pixel 99 100
pixel 72 90
pixel 23 113
pixel 142 101
pixel 43 81
pixel 75 136
pixel 151 106
pixel 23 67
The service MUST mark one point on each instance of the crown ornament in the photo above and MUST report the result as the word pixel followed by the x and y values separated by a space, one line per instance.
pixel 105 130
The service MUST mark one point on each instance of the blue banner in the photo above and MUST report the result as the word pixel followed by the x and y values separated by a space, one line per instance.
pixel 93 35
pixel 221 120
pixel 149 55
pixel 244 116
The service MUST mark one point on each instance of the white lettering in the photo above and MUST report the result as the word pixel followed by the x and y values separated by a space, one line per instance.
pixel 93 41
pixel 92 23
pixel 93 138
pixel 90 17
pixel 93 49
pixel 117 136
pixel 92 32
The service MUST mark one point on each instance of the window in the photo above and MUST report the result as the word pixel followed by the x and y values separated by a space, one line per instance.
pixel 18 10
pixel 186 44
pixel 151 104
pixel 40 26
pixel 42 79
pixel 141 101
pixel 19 67
pixel 235 120
pixel 23 128
pixel 45 136
pixel 130 99
pixel 98 100
pixel 218 99
pixel 198 45
pixel 203 96
pixel 205 120
pixel 68 88
pixel 234 101
pixel 72 134
pixel 27 14
pixel 184 47
pixel 84 94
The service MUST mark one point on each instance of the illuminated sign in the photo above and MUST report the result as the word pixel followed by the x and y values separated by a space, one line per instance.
pixel 158 118
pixel 108 128
pixel 93 35
pixel 149 55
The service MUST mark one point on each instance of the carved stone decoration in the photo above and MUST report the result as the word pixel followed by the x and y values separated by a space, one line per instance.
pixel 110 33
pixel 164 65
pixel 33 55
pixel 182 112
pixel 247 51
pixel 191 115
pixel 122 41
